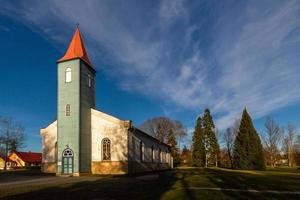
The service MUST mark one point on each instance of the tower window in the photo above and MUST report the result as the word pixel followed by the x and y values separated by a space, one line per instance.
pixel 105 149
pixel 68 75
pixel 68 110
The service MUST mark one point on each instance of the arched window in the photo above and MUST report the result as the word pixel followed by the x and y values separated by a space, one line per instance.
pixel 105 149
pixel 68 75
pixel 68 153
pixel 68 110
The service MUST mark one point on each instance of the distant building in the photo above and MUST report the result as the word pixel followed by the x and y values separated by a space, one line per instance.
pixel 2 163
pixel 25 159
pixel 9 163
pixel 85 140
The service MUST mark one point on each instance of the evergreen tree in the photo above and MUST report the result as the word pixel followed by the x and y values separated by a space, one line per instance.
pixel 248 151
pixel 198 151
pixel 212 147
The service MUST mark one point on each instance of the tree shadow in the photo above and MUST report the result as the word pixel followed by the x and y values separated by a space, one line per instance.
pixel 238 180
pixel 104 187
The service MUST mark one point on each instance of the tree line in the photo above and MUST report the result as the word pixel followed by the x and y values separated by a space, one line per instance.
pixel 242 147
pixel 281 145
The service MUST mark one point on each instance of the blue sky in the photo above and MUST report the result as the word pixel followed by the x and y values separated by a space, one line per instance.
pixel 153 58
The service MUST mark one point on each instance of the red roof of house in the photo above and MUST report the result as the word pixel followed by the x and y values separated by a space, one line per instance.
pixel 76 49
pixel 7 159
pixel 29 156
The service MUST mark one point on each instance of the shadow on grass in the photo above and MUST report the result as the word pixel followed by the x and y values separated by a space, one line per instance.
pixel 264 182
pixel 174 184
pixel 120 187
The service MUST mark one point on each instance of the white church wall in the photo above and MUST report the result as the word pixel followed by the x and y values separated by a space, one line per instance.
pixel 106 126
pixel 49 139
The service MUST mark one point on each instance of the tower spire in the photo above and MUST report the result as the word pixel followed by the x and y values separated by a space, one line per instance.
pixel 76 49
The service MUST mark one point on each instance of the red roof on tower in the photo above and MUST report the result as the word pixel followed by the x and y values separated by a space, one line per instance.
pixel 76 49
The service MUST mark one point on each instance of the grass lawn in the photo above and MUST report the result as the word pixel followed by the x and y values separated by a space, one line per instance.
pixel 182 183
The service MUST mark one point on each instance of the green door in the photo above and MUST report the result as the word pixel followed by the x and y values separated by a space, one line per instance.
pixel 67 161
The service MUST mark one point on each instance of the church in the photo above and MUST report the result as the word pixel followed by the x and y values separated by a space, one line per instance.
pixel 83 140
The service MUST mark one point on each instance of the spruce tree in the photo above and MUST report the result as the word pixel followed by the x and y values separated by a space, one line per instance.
pixel 211 143
pixel 247 152
pixel 198 151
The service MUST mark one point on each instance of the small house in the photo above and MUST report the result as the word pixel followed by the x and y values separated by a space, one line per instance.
pixel 26 159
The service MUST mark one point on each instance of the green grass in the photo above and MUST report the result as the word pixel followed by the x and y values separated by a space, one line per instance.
pixel 182 183
pixel 273 179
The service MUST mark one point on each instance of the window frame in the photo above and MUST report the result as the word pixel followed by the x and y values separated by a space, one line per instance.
pixel 68 110
pixel 68 75
pixel 142 151
pixel 159 155
pixel 107 147
pixel 152 153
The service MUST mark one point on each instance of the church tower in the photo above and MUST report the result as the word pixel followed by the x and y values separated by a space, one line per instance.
pixel 76 97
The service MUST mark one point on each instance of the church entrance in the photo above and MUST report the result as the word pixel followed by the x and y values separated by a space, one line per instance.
pixel 67 161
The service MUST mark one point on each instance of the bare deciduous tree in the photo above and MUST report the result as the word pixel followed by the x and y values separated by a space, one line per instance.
pixel 289 144
pixel 272 140
pixel 11 136
pixel 229 137
pixel 160 126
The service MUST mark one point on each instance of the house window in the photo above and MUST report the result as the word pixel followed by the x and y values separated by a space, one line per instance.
pixel 152 154
pixel 133 148
pixel 68 75
pixel 68 110
pixel 106 149
pixel 141 151
pixel 159 155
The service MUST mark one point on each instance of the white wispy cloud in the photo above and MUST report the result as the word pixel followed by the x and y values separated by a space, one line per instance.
pixel 223 57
